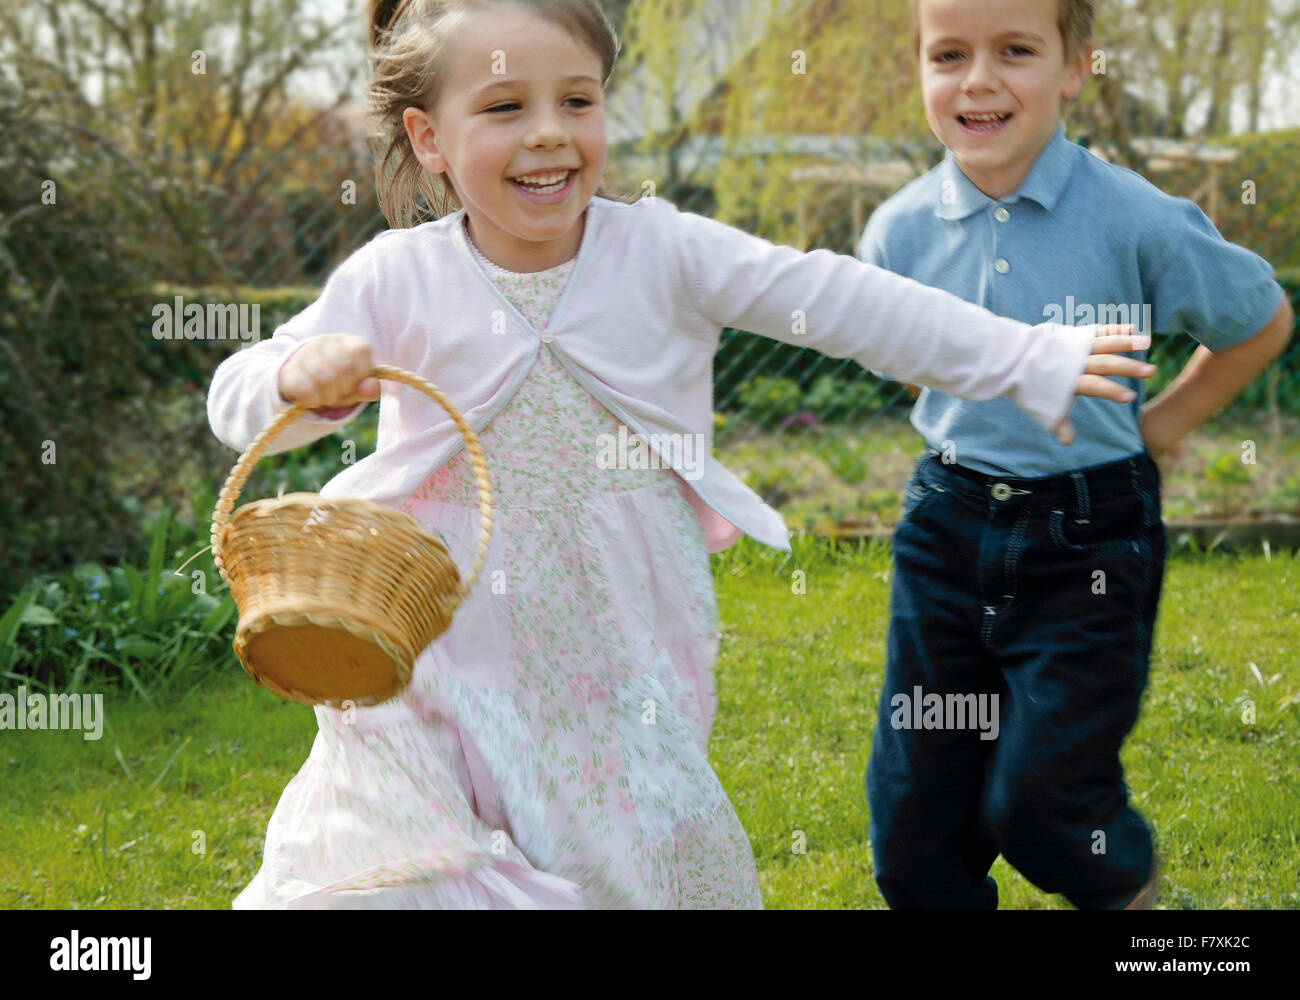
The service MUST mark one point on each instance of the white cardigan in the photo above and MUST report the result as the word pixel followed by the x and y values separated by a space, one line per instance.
pixel 637 325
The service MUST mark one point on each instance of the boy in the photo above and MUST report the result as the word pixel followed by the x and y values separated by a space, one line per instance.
pixel 1027 574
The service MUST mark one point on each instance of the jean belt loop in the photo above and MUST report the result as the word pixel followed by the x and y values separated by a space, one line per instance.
pixel 1143 486
pixel 1142 481
pixel 1082 503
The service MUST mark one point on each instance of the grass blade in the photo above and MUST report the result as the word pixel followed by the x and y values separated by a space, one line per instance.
pixel 10 622
pixel 216 619
pixel 74 686
pixel 165 769
pixel 127 672
pixel 27 681
pixel 117 752
pixel 153 579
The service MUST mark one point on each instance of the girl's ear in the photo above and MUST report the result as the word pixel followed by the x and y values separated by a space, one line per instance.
pixel 424 143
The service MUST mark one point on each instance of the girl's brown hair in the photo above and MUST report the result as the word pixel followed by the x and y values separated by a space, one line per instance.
pixel 409 55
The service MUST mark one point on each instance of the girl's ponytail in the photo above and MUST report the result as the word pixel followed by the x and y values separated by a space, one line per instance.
pixel 382 15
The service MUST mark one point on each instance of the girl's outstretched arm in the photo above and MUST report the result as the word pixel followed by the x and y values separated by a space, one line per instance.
pixel 844 308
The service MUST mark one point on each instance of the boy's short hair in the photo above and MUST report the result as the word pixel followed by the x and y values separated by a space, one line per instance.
pixel 1073 18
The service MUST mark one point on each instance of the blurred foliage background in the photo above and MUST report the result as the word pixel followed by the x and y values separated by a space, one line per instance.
pixel 220 150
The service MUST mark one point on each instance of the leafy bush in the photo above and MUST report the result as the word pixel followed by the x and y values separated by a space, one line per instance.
pixel 74 374
pixel 139 624
pixel 1285 496
pixel 768 401
pixel 775 402
pixel 834 400
pixel 146 628
pixel 1268 222
pixel 93 407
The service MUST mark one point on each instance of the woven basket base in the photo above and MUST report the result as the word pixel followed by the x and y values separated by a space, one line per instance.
pixel 316 664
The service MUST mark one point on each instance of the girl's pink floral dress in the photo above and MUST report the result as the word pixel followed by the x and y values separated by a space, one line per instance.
pixel 550 750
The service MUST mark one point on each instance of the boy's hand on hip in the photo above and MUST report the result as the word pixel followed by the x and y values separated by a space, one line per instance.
pixel 329 372
pixel 1108 344
pixel 1163 443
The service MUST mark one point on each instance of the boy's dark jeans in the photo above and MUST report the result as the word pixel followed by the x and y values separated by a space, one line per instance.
pixel 1043 592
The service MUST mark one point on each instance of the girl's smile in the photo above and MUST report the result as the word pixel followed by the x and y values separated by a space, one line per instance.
pixel 546 188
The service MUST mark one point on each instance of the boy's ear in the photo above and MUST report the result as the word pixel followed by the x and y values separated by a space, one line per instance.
pixel 1077 72
pixel 424 142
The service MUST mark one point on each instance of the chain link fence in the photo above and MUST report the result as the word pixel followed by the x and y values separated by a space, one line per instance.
pixel 821 439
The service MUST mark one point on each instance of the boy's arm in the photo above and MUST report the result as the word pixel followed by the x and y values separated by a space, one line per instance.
pixel 1211 380
pixel 1223 295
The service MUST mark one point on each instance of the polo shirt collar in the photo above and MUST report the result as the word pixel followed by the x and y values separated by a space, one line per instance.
pixel 1044 184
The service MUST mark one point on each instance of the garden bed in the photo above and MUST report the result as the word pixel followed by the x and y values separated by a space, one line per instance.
pixel 849 479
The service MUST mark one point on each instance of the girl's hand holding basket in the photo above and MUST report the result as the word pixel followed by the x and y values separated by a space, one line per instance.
pixel 337 598
pixel 329 372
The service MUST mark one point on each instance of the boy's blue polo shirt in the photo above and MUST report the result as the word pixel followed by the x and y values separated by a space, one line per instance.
pixel 1080 241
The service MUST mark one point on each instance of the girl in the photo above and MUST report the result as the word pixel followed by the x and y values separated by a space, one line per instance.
pixel 550 750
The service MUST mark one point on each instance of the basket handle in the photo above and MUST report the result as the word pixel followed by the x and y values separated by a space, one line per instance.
pixel 244 467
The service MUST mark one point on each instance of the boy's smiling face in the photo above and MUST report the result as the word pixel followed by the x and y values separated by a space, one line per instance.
pixel 993 76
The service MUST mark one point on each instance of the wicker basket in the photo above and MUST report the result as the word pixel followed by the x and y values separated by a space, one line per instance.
pixel 337 598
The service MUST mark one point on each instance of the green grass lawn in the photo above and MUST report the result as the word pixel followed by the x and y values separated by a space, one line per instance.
pixel 169 808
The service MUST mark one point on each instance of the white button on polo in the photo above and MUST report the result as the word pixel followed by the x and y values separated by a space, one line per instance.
pixel 1001 214
pixel 547 338
pixel 1001 266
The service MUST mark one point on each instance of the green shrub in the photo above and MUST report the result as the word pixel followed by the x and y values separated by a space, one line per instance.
pixel 835 401
pixel 146 628
pixel 74 374
pixel 1285 496
pixel 1266 216
pixel 138 624
pixel 823 398
pixel 768 400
